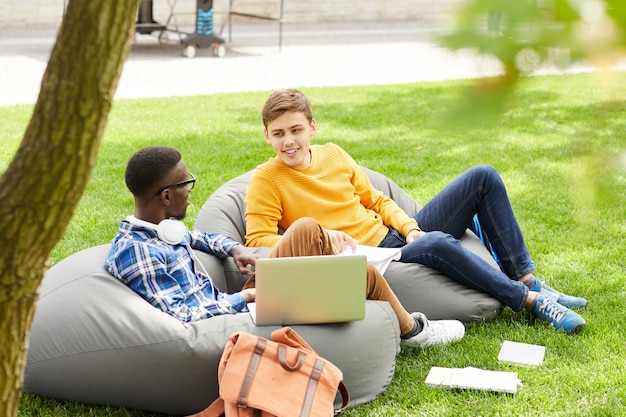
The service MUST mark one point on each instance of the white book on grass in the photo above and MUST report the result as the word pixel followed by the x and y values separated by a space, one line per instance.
pixel 521 353
pixel 379 257
pixel 473 378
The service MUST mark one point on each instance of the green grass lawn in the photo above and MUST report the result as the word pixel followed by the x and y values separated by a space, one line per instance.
pixel 560 148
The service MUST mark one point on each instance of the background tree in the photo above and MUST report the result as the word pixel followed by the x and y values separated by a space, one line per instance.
pixel 46 179
pixel 534 33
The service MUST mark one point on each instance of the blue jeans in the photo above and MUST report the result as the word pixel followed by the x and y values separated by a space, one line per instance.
pixel 477 192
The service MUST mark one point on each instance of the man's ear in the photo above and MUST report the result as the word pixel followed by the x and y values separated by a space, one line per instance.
pixel 267 136
pixel 165 197
pixel 313 127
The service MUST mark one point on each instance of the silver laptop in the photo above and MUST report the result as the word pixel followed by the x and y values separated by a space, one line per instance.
pixel 309 289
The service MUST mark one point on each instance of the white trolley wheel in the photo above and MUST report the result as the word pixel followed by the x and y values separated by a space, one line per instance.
pixel 189 51
pixel 219 50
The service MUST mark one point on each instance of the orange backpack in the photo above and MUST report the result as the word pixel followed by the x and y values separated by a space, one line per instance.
pixel 282 377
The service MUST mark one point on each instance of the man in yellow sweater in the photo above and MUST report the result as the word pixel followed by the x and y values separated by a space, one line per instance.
pixel 325 183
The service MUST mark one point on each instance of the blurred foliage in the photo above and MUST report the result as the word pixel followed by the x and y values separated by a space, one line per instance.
pixel 534 34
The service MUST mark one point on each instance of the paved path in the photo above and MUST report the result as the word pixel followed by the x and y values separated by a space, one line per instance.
pixel 311 55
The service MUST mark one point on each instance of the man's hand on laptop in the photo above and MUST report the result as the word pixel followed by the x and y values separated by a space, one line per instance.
pixel 244 259
pixel 341 241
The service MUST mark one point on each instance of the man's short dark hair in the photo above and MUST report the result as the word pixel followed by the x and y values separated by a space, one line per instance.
pixel 149 167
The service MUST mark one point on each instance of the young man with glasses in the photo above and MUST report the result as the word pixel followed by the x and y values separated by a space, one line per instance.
pixel 153 253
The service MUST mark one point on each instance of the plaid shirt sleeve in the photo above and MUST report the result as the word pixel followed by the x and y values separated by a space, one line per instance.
pixel 165 277
pixel 212 243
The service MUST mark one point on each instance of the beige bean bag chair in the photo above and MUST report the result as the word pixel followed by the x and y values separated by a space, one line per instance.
pixel 94 340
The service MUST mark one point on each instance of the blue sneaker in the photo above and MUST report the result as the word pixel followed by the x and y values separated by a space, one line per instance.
pixel 558 316
pixel 563 299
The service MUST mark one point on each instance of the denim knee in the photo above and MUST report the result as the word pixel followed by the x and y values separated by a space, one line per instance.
pixel 437 240
pixel 432 243
pixel 486 172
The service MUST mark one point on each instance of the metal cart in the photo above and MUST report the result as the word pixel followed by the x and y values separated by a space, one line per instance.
pixel 203 37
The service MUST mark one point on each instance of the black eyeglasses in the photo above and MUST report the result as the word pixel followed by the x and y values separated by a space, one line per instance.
pixel 188 183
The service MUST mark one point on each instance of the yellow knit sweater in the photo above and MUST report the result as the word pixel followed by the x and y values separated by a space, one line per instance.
pixel 333 190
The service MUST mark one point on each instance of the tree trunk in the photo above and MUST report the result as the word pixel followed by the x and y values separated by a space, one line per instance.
pixel 46 179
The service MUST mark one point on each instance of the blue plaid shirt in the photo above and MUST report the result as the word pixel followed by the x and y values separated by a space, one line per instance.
pixel 164 274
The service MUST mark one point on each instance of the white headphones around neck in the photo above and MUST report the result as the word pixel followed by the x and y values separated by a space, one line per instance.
pixel 169 230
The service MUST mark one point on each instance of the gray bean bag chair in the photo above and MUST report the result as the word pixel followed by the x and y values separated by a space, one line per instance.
pixel 419 288
pixel 94 340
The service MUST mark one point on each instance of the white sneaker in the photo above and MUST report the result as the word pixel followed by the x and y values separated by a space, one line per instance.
pixel 434 332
